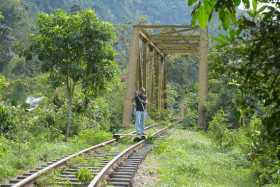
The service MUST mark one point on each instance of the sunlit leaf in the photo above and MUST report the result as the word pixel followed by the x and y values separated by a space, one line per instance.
pixel 246 3
pixel 203 16
pixel 254 2
pixel 237 2
pixel 191 2
pixel 260 10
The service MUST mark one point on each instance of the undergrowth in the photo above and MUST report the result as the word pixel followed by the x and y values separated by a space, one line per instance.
pixel 18 157
pixel 189 158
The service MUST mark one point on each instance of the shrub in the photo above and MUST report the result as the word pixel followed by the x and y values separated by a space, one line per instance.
pixel 7 122
pixel 189 120
pixel 160 147
pixel 219 133
pixel 265 149
pixel 16 93
pixel 149 121
pixel 84 175
pixel 3 84
pixel 4 145
pixel 99 112
pixel 165 115
pixel 92 137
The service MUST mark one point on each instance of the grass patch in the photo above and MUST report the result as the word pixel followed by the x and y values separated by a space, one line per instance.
pixel 17 158
pixel 188 158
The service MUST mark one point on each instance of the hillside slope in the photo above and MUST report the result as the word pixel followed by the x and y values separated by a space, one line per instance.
pixel 123 11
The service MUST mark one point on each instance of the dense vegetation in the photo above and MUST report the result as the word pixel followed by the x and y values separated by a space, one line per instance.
pixel 55 83
pixel 246 63
pixel 188 158
pixel 77 51
pixel 52 57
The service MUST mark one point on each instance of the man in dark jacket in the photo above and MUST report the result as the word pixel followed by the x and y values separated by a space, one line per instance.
pixel 141 102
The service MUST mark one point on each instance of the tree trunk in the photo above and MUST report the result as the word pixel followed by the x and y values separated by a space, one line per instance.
pixel 69 112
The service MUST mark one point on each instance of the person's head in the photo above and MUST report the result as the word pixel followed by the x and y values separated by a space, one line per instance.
pixel 142 90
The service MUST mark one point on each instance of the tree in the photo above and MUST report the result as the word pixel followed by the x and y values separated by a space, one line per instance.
pixel 204 10
pixel 5 43
pixel 15 24
pixel 76 49
pixel 252 59
pixel 249 54
pixel 7 122
pixel 3 84
pixel 1 17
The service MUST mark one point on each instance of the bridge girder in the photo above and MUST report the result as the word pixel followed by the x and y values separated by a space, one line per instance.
pixel 150 45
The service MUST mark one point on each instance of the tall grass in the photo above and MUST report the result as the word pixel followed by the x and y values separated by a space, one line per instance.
pixel 17 157
pixel 188 158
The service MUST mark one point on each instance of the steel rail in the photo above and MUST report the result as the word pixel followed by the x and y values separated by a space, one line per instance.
pixel 30 179
pixel 108 168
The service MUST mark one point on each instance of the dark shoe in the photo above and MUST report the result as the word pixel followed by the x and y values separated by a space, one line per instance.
pixel 136 139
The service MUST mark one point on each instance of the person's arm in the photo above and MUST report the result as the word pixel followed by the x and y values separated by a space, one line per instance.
pixel 145 100
pixel 141 100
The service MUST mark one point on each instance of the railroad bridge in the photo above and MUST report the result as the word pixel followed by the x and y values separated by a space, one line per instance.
pixel 150 47
pixel 148 64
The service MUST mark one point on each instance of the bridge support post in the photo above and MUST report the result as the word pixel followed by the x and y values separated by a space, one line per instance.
pixel 165 85
pixel 203 80
pixel 131 82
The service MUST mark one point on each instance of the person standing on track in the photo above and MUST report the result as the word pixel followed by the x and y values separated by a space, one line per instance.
pixel 141 102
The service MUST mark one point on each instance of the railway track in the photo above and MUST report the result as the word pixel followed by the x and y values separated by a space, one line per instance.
pixel 73 169
pixel 121 169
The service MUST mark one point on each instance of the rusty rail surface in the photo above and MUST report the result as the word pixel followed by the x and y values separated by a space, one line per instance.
pixel 32 178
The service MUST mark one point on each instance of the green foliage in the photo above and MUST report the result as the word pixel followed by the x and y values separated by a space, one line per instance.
pixel 114 97
pixel 7 126
pixel 149 121
pixel 87 59
pixel 223 95
pixel 123 11
pixel 150 139
pixel 3 85
pixel 265 150
pixel 171 95
pixel 3 82
pixel 77 160
pixel 37 136
pixel 1 17
pixel 190 119
pixel 219 132
pixel 3 145
pixel 14 29
pixel 203 11
pixel 249 57
pixel 160 147
pixel 26 152
pixel 188 158
pixel 92 136
pixel 84 175
pixel 16 93
pixel 181 90
pixel 183 71
pixel 50 179
pixel 100 113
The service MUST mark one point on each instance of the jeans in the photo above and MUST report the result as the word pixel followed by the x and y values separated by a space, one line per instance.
pixel 139 122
